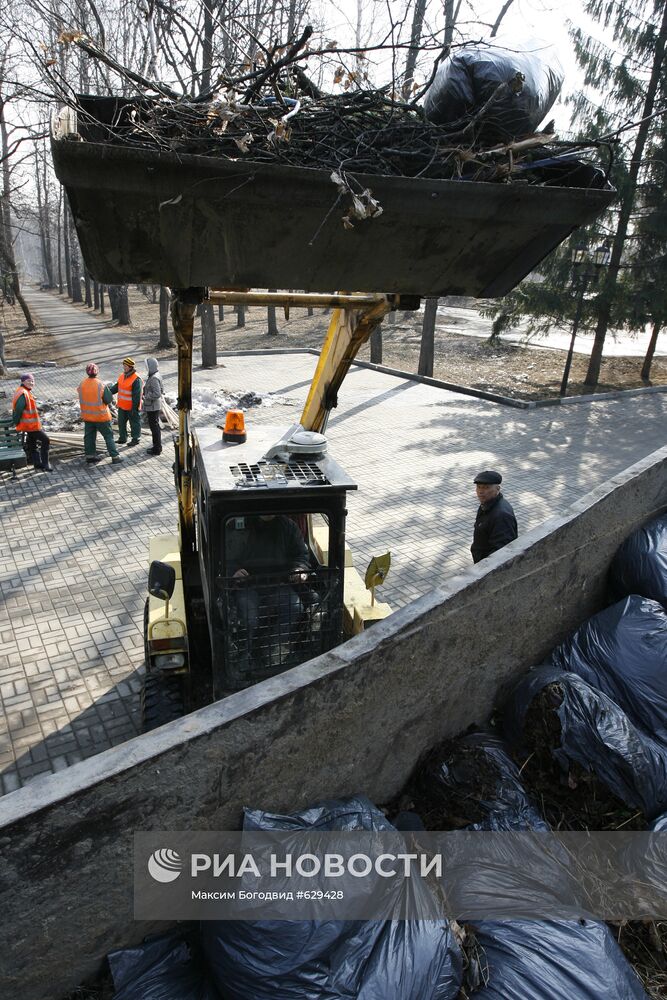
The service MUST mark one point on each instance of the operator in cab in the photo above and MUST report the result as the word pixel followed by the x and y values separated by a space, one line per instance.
pixel 266 556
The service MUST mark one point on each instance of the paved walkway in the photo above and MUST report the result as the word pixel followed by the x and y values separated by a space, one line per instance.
pixel 73 545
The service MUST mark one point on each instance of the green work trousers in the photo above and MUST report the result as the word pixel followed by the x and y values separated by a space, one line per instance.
pixel 90 429
pixel 135 425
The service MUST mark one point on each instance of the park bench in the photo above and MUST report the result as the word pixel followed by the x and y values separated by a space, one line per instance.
pixel 12 454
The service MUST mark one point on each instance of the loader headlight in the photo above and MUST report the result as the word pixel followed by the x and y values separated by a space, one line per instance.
pixel 170 661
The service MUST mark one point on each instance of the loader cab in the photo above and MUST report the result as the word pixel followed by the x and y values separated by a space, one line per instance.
pixel 271 552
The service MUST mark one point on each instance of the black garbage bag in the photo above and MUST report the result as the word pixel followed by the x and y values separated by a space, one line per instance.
pixel 595 733
pixel 565 170
pixel 165 967
pixel 659 825
pixel 332 960
pixel 640 565
pixel 472 74
pixel 622 651
pixel 553 960
pixel 474 777
pixel 645 863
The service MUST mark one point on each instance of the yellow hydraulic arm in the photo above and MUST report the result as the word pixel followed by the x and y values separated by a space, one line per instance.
pixel 353 320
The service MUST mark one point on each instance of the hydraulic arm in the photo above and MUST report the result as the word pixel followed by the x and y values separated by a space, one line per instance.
pixel 354 318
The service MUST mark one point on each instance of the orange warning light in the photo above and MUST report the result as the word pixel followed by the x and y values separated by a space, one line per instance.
pixel 234 429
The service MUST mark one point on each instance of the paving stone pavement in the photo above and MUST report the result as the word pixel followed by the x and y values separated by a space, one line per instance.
pixel 74 544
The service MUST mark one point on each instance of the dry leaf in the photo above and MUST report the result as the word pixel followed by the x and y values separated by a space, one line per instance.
pixel 339 74
pixel 244 142
pixel 66 37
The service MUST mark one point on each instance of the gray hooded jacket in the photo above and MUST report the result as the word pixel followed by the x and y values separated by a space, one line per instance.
pixel 152 387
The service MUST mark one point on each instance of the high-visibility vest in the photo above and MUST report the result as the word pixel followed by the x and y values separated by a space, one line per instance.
pixel 125 390
pixel 93 407
pixel 29 418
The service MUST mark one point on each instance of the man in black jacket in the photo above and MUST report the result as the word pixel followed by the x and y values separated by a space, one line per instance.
pixel 495 524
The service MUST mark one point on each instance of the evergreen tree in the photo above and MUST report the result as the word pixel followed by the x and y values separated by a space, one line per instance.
pixel 632 76
pixel 632 83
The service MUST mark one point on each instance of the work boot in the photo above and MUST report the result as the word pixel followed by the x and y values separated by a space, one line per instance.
pixel 121 440
pixel 94 459
pixel 152 451
pixel 132 443
pixel 116 459
pixel 48 467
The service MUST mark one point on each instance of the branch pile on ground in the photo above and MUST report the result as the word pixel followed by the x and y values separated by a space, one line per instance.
pixel 364 132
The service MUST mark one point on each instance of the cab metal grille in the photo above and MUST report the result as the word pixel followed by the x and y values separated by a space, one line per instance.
pixel 269 473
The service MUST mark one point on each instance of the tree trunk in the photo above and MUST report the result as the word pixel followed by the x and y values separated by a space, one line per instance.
pixel 272 329
pixel 101 298
pixel 427 349
pixel 68 262
pixel 209 353
pixel 627 203
pixel 22 302
pixel 60 251
pixel 221 312
pixel 650 351
pixel 207 49
pixel 164 318
pixel 96 296
pixel 112 291
pixel 240 315
pixel 123 306
pixel 376 345
pixel 43 220
pixel 75 263
pixel 413 50
pixel 6 242
pixel 89 298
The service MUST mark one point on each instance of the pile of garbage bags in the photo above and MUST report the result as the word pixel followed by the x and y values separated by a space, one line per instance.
pixel 533 960
pixel 299 960
pixel 606 684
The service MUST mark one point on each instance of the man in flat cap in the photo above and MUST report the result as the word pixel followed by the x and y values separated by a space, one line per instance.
pixel 495 524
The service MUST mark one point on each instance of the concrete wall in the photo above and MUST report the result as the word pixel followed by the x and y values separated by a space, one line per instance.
pixel 354 720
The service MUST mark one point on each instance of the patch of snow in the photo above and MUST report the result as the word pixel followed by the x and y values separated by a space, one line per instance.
pixel 208 406
pixel 211 405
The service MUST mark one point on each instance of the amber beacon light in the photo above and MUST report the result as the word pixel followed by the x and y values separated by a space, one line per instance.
pixel 234 429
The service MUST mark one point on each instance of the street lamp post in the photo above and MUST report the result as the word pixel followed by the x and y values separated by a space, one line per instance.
pixel 599 259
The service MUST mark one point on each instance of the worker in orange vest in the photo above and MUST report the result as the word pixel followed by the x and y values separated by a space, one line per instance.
pixel 128 388
pixel 94 399
pixel 26 418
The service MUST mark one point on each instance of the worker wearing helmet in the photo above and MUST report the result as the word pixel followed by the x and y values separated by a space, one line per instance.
pixel 26 418
pixel 128 388
pixel 94 399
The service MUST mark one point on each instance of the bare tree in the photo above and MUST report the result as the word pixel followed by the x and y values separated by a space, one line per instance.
pixel 9 144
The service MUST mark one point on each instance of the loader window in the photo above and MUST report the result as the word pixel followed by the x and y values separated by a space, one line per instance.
pixel 278 602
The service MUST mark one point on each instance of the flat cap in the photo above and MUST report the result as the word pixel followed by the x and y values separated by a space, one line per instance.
pixel 489 477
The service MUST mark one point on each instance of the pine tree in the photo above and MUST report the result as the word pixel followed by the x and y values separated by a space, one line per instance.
pixel 631 84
